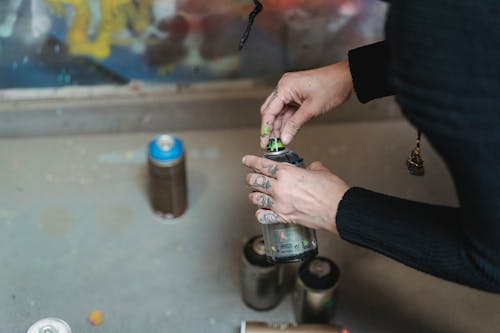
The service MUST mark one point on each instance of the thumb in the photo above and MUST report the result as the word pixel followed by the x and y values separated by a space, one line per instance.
pixel 316 166
pixel 299 118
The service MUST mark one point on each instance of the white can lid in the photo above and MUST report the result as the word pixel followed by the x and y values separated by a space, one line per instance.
pixel 50 325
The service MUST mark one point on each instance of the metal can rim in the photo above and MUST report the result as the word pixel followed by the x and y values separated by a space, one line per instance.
pixel 315 290
pixel 274 153
pixel 48 319
pixel 166 163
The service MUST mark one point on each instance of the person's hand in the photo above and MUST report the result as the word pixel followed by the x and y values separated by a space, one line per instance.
pixel 288 194
pixel 300 96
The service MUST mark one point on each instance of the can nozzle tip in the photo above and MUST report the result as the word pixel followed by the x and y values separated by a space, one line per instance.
pixel 275 145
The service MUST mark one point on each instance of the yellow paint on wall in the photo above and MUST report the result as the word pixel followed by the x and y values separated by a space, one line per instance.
pixel 116 16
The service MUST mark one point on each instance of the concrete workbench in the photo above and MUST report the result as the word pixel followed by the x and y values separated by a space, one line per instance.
pixel 77 234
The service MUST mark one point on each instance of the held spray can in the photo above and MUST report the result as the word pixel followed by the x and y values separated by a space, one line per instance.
pixel 287 242
pixel 262 281
pixel 315 292
pixel 167 169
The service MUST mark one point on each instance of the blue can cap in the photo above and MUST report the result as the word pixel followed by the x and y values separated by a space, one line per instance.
pixel 165 149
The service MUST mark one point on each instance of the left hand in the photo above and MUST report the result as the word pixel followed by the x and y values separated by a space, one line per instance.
pixel 288 194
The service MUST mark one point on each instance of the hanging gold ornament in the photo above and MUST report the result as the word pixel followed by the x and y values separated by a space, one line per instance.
pixel 415 162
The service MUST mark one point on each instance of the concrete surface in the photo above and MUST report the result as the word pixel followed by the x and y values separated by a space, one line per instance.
pixel 77 234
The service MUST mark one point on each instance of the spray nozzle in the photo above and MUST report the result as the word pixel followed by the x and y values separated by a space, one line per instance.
pixel 275 145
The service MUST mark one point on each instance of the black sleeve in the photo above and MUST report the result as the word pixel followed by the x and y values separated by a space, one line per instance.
pixel 369 67
pixel 423 236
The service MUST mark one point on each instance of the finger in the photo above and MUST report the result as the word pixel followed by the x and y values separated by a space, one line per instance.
pixel 299 118
pixel 260 183
pixel 262 200
pixel 269 111
pixel 266 129
pixel 266 216
pixel 282 119
pixel 267 125
pixel 286 117
pixel 263 165
pixel 316 166
pixel 277 126
pixel 269 99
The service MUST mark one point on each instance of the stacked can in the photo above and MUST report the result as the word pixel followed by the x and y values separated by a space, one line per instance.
pixel 287 242
pixel 167 169
pixel 262 281
pixel 315 293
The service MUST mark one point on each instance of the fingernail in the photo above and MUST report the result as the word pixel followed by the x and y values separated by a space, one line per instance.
pixel 286 138
pixel 243 159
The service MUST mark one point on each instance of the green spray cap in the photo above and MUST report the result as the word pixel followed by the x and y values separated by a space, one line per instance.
pixel 275 145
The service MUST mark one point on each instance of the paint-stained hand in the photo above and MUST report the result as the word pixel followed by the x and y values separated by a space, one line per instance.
pixel 300 96
pixel 285 193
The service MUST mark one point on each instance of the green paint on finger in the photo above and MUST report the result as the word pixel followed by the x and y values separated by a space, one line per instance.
pixel 265 131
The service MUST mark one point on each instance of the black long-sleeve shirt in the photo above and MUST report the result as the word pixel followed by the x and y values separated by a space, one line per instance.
pixel 442 61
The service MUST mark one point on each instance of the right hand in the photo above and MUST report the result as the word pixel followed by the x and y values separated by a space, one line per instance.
pixel 287 194
pixel 300 96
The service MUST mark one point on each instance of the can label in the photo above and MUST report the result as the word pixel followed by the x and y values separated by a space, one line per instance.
pixel 291 241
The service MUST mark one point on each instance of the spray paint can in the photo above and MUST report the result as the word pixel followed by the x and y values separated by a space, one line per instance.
pixel 287 242
pixel 262 281
pixel 167 170
pixel 315 292
pixel 259 327
pixel 50 325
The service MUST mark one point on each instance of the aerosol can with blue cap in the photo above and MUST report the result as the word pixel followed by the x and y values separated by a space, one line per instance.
pixel 167 170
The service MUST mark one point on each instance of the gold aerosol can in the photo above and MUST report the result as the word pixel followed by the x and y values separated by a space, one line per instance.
pixel 316 290
pixel 167 170
pixel 262 281
pixel 287 242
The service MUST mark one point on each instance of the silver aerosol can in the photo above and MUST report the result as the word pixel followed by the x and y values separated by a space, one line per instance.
pixel 262 281
pixel 167 170
pixel 287 242
pixel 315 293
